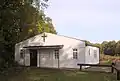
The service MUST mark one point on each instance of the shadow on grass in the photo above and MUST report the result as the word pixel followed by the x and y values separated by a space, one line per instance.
pixel 7 73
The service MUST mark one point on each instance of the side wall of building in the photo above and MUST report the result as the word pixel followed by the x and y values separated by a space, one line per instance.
pixel 67 60
pixel 26 56
pixel 91 55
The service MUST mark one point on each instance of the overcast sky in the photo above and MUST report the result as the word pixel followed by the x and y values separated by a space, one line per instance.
pixel 93 20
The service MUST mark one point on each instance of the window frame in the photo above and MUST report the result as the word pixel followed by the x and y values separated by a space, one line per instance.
pixel 22 54
pixel 56 54
pixel 95 53
pixel 75 53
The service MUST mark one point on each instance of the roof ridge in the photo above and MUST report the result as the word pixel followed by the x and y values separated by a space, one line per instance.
pixel 52 34
pixel 67 37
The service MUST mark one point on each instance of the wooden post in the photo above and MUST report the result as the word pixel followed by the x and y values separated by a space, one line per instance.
pixel 58 59
pixel 58 62
pixel 118 75
pixel 80 67
pixel 112 69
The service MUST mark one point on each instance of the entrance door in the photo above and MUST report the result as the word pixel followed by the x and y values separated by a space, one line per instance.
pixel 56 59
pixel 33 57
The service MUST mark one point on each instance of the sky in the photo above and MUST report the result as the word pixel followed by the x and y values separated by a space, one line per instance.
pixel 92 20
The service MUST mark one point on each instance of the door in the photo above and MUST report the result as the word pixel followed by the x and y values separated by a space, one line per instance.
pixel 56 59
pixel 46 58
pixel 33 57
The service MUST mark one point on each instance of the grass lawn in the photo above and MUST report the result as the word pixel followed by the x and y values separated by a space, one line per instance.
pixel 37 74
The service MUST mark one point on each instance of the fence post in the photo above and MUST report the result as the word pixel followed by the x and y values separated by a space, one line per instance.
pixel 80 67
pixel 118 75
pixel 112 69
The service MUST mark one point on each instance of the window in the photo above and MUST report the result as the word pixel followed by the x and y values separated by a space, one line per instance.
pixel 75 54
pixel 22 52
pixel 56 54
pixel 95 53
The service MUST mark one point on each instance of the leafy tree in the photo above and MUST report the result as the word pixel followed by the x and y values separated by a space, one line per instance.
pixel 35 24
pixel 19 20
pixel 109 48
pixel 117 49
pixel 88 43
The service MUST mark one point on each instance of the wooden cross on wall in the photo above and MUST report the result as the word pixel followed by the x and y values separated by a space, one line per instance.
pixel 44 36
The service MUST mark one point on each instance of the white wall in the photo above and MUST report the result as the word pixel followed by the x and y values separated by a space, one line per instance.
pixel 38 58
pixel 17 55
pixel 90 57
pixel 66 58
pixel 66 53
pixel 27 58
pixel 46 58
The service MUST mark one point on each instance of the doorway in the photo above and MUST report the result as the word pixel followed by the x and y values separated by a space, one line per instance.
pixel 33 57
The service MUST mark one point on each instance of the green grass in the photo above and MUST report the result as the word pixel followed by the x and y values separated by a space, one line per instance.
pixel 37 74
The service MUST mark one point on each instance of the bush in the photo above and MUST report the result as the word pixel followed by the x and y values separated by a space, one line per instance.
pixel 109 59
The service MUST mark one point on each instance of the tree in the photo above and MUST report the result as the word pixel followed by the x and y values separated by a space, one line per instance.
pixel 88 43
pixel 17 18
pixel 43 4
pixel 117 49
pixel 44 24
pixel 109 48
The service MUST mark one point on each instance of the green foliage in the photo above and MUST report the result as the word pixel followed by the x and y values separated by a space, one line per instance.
pixel 107 47
pixel 108 59
pixel 87 43
pixel 117 49
pixel 19 20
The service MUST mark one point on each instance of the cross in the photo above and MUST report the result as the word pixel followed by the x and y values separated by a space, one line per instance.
pixel 44 37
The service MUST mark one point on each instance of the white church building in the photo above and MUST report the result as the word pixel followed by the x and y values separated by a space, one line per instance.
pixel 55 51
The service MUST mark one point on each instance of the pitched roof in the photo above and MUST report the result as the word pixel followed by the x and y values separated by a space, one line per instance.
pixel 53 34
pixel 68 37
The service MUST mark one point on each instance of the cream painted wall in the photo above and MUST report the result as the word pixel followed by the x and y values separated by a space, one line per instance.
pixel 38 58
pixel 46 58
pixel 66 53
pixel 89 58
pixel 27 58
pixel 67 61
